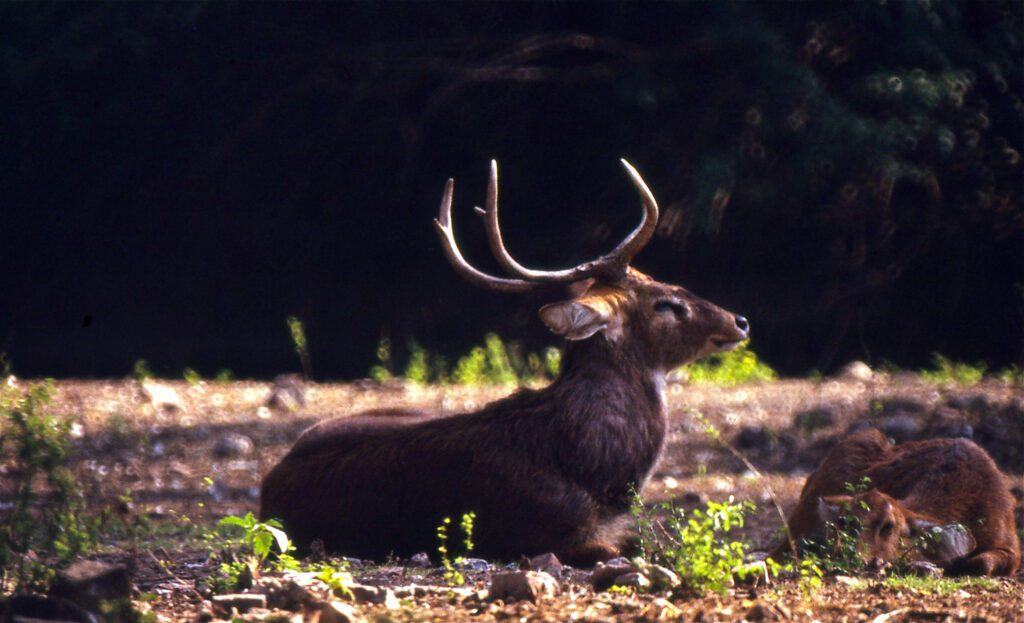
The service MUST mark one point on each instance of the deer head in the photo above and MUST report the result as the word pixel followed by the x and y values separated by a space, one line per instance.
pixel 664 324
pixel 888 530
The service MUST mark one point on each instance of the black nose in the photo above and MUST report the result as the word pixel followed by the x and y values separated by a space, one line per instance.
pixel 742 324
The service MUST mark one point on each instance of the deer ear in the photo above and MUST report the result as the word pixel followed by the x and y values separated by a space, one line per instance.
pixel 831 508
pixel 942 542
pixel 575 320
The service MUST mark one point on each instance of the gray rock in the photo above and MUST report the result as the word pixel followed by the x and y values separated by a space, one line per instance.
pixel 364 593
pixel 473 564
pixel 233 445
pixel 223 605
pixel 41 608
pixel 662 578
pixel 288 393
pixel 522 585
pixel 340 612
pixel 421 560
pixel 856 371
pixel 814 419
pixel 968 401
pixel 86 582
pixel 753 437
pixel 605 574
pixel 901 427
pixel 894 405
pixel 925 569
pixel 549 563
pixel 633 579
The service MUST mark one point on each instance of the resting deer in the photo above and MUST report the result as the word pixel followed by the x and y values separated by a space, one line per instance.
pixel 548 470
pixel 943 500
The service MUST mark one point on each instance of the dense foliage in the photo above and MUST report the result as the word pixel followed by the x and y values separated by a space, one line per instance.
pixel 180 178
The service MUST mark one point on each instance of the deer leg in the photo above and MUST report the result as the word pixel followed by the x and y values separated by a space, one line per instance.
pixel 991 562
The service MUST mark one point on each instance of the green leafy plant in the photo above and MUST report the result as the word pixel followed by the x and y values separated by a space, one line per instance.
pixel 695 544
pixel 733 367
pixel 224 376
pixel 258 540
pixel 47 526
pixel 452 575
pixel 946 371
pixel 191 376
pixel 301 344
pixel 141 371
pixel 493 363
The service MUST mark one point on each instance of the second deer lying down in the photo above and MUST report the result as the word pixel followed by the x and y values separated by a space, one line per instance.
pixel 549 470
pixel 943 500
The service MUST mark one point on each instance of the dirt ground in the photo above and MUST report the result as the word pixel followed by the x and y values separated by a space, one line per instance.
pixel 189 454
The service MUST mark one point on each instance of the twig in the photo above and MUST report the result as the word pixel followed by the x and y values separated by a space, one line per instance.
pixel 716 435
pixel 883 618
pixel 172 575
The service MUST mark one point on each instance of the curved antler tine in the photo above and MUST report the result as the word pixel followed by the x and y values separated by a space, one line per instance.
pixel 489 213
pixel 638 239
pixel 443 225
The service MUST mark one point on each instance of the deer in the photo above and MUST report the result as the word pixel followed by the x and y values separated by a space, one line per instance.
pixel 544 470
pixel 939 500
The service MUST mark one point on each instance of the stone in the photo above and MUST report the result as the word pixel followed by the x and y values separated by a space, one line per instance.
pixel 662 578
pixel 604 574
pixel 223 605
pixel 161 397
pixel 473 564
pixel 420 560
pixel 633 579
pixel 364 593
pixel 287 393
pixel 42 608
pixel 340 612
pixel 294 590
pixel 894 405
pixel 753 437
pixel 531 586
pixel 901 427
pixel 856 371
pixel 947 422
pixel 661 609
pixel 86 582
pixel 233 445
pixel 925 569
pixel 549 563
pixel 970 401
pixel 814 419
pixel 760 612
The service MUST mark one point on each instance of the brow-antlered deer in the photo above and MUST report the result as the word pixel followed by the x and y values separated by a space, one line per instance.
pixel 942 500
pixel 548 470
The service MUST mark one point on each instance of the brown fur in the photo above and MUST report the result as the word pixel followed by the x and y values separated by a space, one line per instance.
pixel 544 470
pixel 916 484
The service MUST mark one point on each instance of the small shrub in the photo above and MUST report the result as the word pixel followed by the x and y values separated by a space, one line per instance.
pixel 141 370
pixel 452 575
pixel 191 376
pixel 301 344
pixel 418 369
pixel 946 371
pixel 258 540
pixel 47 527
pixel 696 545
pixel 224 376
pixel 739 365
pixel 382 372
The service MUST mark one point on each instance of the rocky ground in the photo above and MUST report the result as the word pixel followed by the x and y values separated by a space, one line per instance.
pixel 189 454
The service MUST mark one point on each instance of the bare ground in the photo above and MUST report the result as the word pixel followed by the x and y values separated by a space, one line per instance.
pixel 168 455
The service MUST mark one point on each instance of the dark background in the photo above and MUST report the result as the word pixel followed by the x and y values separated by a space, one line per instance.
pixel 178 178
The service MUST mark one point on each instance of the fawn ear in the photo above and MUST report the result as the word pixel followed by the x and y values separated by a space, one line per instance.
pixel 830 509
pixel 942 542
pixel 576 319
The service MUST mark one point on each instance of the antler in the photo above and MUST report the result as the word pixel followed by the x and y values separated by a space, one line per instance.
pixel 611 266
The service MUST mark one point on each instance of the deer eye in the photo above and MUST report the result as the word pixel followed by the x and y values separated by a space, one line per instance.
pixel 886 530
pixel 670 306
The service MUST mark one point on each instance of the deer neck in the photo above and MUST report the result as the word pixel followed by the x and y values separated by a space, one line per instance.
pixel 610 404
